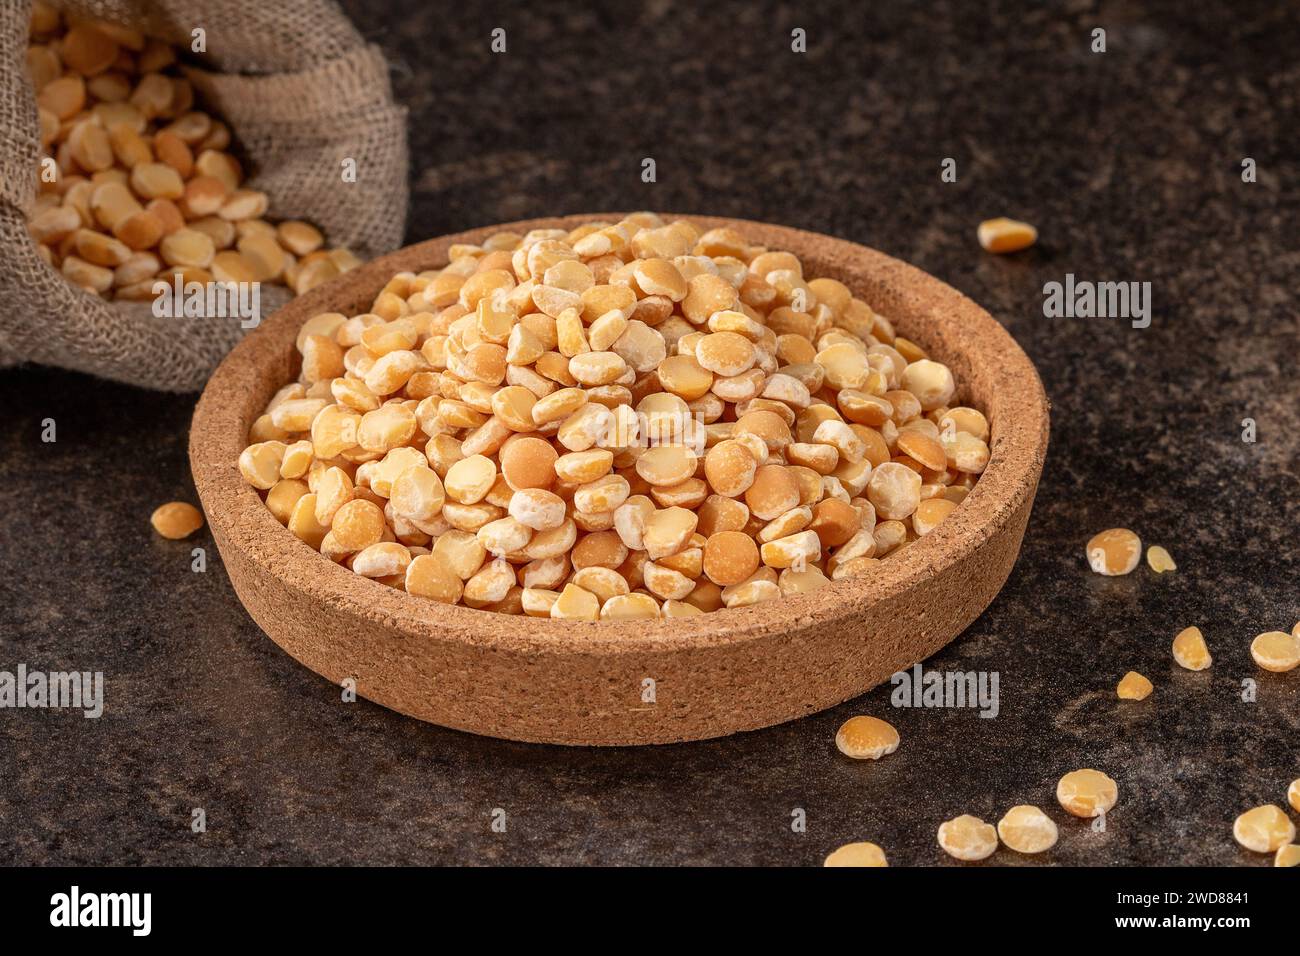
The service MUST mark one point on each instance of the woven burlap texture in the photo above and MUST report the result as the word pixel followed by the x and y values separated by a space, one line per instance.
pixel 302 92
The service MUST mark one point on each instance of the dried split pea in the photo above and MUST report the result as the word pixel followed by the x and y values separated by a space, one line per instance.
pixel 283 498
pixel 303 523
pixel 176 520
pixel 666 465
pixel 667 532
pixel 428 577
pixel 1263 829
pixel 774 491
pixel 1276 651
pixel 1027 829
pixel 628 607
pixel 730 468
pixel 1006 235
pixel 968 838
pixel 1288 855
pixel 730 557
pixel 382 560
pixel 857 854
pixel 537 509
pixel 797 551
pixel 930 382
pixel 928 451
pixel 417 494
pixel 836 522
pixel 259 463
pixel 1133 686
pixel 1087 793
pixel 357 524
pixel 894 490
pixel 725 353
pixel 929 514
pixel 576 604
pixel 866 738
pixel 1113 552
pixel 1190 650
pixel 469 480
pixel 1159 560
pixel 680 609
pixel 460 552
pixel 529 463
pixel 684 376
pixel 504 536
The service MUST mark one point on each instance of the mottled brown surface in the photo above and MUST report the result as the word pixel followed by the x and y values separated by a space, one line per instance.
pixel 1129 164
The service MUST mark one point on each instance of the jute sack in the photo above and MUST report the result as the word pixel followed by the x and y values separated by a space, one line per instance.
pixel 301 91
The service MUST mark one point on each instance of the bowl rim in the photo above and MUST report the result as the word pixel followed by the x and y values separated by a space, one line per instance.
pixel 1020 425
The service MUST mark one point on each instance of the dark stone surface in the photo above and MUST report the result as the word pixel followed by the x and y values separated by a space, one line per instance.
pixel 1128 162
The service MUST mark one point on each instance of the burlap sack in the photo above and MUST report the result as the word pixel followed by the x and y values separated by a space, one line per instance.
pixel 301 91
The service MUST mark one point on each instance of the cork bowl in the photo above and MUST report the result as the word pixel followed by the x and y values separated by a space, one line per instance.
pixel 614 683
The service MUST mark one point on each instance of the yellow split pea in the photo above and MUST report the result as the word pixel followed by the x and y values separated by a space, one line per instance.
pixel 866 738
pixel 968 838
pixel 1134 686
pixel 1087 793
pixel 1027 829
pixel 1114 552
pixel 1263 829
pixel 1190 650
pixel 176 520
pixel 857 854
pixel 1006 235
pixel 1159 560
pixel 1276 651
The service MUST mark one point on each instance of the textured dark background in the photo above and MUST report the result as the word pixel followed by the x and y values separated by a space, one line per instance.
pixel 1129 164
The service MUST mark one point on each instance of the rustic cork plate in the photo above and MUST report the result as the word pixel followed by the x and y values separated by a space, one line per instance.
pixel 633 683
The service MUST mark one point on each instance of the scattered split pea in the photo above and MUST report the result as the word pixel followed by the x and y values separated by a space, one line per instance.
pixel 176 520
